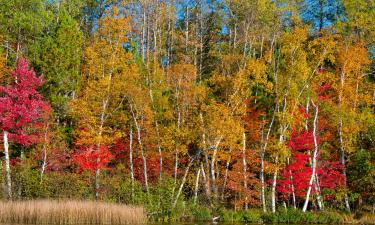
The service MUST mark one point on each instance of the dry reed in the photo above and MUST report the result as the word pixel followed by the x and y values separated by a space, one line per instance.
pixel 66 212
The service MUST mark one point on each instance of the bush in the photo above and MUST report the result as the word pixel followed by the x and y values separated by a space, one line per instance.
pixel 67 185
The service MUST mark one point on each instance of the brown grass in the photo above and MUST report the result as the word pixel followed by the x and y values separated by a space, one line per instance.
pixel 69 212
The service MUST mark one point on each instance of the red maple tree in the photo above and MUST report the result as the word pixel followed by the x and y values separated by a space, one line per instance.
pixel 93 158
pixel 22 107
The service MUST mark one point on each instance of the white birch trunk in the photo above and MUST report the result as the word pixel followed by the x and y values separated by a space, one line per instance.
pixel 292 187
pixel 7 165
pixel 244 169
pixel 197 186
pixel 273 189
pixel 131 159
pixel 141 148
pixel 44 164
pixel 182 183
pixel 314 159
pixel 341 138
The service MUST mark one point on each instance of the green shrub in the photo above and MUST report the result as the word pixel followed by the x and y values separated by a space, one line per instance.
pixel 297 216
pixel 245 216
pixel 200 213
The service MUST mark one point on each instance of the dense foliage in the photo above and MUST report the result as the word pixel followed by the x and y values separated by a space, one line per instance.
pixel 191 104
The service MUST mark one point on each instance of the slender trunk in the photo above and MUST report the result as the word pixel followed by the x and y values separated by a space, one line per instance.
pixel 176 159
pixel 274 182
pixel 197 186
pixel 139 137
pixel 263 192
pixel 226 174
pixel 314 159
pixel 319 198
pixel 44 164
pixel 7 165
pixel 131 159
pixel 341 138
pixel 343 163
pixel 262 153
pixel 213 160
pixel 157 132
pixel 206 182
pixel 175 170
pixel 182 183
pixel 244 169
pixel 292 187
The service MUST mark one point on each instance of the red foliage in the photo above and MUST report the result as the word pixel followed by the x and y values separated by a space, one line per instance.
pixel 93 158
pixel 323 92
pixel 22 108
pixel 301 140
pixel 298 173
pixel 303 111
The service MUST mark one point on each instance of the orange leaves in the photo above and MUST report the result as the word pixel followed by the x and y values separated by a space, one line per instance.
pixel 182 77
pixel 353 58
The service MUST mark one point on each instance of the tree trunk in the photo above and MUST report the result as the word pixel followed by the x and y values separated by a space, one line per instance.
pixel 343 163
pixel 314 159
pixel 206 183
pixel 131 159
pixel 157 130
pixel 197 186
pixel 319 198
pixel 226 174
pixel 274 182
pixel 139 137
pixel 7 165
pixel 341 138
pixel 182 183
pixel 262 153
pixel 44 164
pixel 292 187
pixel 213 173
pixel 244 169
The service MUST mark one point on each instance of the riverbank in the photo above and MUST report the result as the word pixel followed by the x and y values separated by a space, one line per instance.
pixel 69 213
pixel 257 216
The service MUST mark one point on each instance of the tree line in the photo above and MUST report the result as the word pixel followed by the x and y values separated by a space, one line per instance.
pixel 232 103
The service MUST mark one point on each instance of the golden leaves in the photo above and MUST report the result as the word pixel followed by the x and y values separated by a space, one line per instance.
pixel 258 72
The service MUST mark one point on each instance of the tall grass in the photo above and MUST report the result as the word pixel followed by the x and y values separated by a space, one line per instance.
pixel 67 212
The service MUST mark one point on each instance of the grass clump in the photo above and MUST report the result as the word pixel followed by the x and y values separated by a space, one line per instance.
pixel 244 216
pixel 297 216
pixel 69 212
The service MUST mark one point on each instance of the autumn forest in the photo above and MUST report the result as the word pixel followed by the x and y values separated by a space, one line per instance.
pixel 190 106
